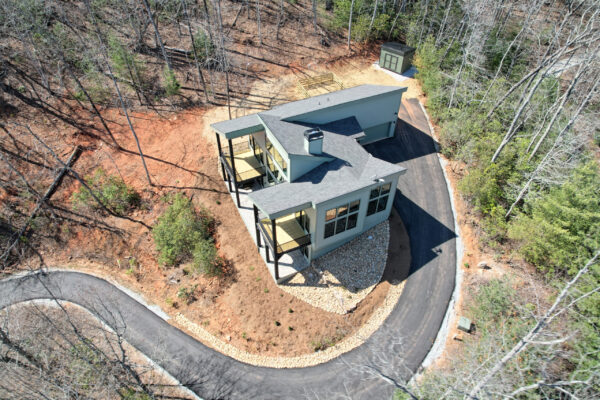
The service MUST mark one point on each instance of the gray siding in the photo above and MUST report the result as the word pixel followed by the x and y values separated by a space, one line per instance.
pixel 321 245
pixel 300 165
pixel 369 112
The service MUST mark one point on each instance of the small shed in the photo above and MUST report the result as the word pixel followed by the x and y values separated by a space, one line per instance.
pixel 396 57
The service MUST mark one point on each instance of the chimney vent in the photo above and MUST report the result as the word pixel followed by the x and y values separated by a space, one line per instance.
pixel 313 141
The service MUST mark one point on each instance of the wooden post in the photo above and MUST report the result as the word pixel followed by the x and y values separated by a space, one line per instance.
pixel 276 254
pixel 256 227
pixel 237 192
pixel 221 156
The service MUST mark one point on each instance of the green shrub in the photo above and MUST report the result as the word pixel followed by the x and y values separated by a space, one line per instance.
pixel 179 230
pixel 187 293
pixel 493 301
pixel 205 49
pixel 172 86
pixel 206 259
pixel 111 190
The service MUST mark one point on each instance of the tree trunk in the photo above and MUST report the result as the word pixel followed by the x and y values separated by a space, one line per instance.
pixel 189 26
pixel 157 33
pixel 258 22
pixel 373 17
pixel 279 19
pixel 314 9
pixel 350 23
pixel 532 334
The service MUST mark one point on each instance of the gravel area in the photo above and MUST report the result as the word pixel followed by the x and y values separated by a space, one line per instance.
pixel 339 280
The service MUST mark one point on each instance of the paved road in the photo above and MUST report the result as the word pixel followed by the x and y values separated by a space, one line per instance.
pixel 396 349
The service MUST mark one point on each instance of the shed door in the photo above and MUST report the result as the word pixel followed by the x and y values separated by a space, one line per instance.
pixel 390 61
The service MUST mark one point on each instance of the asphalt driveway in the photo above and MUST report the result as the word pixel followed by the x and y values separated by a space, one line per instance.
pixel 396 350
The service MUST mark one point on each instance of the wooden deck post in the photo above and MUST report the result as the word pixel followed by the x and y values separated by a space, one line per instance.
pixel 237 192
pixel 221 156
pixel 275 255
pixel 256 227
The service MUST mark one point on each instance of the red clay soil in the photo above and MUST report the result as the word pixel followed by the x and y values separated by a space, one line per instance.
pixel 243 306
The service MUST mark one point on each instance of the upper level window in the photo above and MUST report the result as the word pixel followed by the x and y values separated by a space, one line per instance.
pixel 379 198
pixel 342 218
pixel 276 156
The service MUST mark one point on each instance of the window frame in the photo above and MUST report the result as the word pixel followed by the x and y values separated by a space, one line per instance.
pixel 338 221
pixel 378 198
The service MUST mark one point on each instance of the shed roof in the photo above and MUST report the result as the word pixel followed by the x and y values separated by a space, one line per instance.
pixel 296 108
pixel 398 48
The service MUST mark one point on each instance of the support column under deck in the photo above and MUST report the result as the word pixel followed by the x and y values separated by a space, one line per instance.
pixel 237 193
pixel 276 255
pixel 256 227
pixel 221 156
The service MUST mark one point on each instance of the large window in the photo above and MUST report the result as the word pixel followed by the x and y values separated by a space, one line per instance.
pixel 276 156
pixel 379 198
pixel 342 218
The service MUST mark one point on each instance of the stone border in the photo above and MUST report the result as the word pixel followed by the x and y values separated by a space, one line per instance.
pixel 306 360
pixel 450 316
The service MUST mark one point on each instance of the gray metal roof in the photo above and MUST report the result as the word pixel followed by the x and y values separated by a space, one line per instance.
pixel 241 124
pixel 301 107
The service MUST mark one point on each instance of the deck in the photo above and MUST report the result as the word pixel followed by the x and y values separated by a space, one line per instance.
pixel 247 167
pixel 290 234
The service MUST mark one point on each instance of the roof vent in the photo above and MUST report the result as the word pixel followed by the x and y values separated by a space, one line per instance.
pixel 313 141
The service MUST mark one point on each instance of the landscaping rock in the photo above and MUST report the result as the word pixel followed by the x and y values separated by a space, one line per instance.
pixel 339 280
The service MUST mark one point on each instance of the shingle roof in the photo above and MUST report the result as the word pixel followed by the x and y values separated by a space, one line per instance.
pixel 351 169
pixel 346 166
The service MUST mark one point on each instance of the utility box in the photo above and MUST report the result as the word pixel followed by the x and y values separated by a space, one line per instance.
pixel 396 57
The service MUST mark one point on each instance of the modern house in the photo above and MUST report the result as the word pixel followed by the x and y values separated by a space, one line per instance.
pixel 315 186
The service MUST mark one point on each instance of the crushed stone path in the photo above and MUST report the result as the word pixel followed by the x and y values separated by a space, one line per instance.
pixel 396 349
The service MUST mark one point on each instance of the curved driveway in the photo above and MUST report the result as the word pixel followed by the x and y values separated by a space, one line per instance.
pixel 396 350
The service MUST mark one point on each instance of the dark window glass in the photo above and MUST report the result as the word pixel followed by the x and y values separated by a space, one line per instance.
pixel 329 229
pixel 352 219
pixel 354 206
pixel 382 203
pixel 343 210
pixel 372 207
pixel 340 226
pixel 385 189
pixel 374 193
